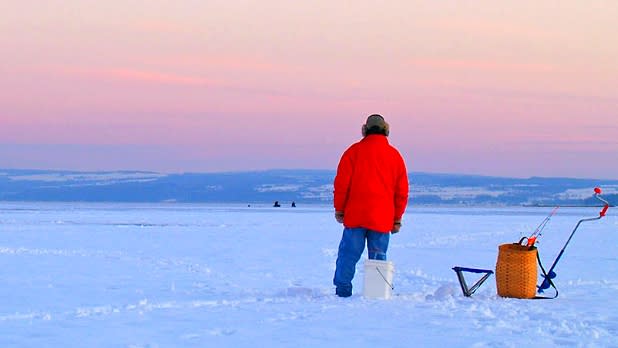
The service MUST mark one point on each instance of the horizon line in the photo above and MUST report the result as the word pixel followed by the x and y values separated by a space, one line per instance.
pixel 247 171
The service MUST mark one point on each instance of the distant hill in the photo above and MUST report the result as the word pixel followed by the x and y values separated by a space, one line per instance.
pixel 285 186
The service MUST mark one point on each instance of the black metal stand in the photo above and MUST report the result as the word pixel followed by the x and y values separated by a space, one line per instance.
pixel 462 281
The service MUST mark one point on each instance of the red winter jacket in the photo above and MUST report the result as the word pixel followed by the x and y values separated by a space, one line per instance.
pixel 371 186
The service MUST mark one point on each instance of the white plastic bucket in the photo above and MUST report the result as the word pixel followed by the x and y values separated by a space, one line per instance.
pixel 378 279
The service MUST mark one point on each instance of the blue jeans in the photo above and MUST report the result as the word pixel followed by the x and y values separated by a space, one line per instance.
pixel 351 248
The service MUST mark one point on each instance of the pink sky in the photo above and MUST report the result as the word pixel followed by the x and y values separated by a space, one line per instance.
pixel 510 88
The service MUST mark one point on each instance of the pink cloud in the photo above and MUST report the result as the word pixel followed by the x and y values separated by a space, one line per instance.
pixel 134 75
pixel 488 28
pixel 225 62
pixel 156 77
pixel 486 65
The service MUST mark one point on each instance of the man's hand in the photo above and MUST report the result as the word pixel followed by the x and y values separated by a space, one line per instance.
pixel 396 227
pixel 339 216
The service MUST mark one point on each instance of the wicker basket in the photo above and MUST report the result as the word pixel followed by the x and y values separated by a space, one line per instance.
pixel 516 271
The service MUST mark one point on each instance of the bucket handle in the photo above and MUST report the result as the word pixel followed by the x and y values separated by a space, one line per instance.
pixel 383 277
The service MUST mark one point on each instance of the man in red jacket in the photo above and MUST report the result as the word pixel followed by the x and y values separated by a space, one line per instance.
pixel 371 195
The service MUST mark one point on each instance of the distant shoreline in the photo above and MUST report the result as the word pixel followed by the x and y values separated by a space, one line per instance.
pixel 564 206
pixel 286 186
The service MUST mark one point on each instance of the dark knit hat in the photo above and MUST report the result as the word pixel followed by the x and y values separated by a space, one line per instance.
pixel 375 125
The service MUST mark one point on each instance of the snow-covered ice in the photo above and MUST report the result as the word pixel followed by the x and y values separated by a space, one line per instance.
pixel 175 275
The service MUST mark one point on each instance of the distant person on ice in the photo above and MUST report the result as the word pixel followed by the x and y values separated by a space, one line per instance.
pixel 371 195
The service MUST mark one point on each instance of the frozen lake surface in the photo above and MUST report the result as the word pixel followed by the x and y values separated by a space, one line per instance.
pixel 174 275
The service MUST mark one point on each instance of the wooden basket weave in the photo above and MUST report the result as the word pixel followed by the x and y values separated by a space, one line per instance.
pixel 516 271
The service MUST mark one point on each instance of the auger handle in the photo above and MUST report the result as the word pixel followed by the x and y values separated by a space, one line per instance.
pixel 597 195
pixel 602 213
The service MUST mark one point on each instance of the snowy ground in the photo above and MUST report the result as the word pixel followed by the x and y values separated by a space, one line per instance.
pixel 126 275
